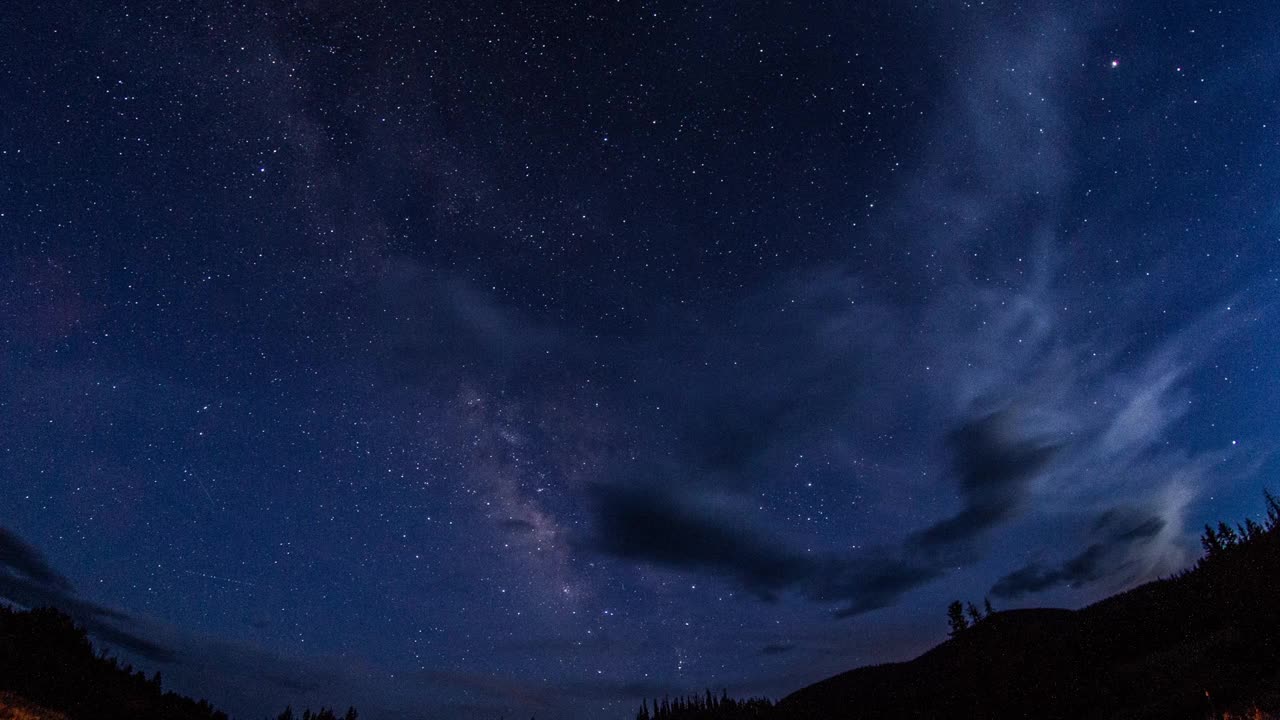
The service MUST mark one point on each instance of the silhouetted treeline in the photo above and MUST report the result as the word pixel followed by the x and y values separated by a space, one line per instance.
pixel 48 660
pixel 962 616
pixel 1224 541
pixel 323 714
pixel 704 707
pixel 1204 643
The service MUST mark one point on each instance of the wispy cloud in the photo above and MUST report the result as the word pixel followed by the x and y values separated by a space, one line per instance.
pixel 1115 535
pixel 27 579
pixel 993 375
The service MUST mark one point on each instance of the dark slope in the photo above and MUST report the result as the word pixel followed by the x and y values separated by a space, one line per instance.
pixel 48 660
pixel 1152 652
pixel 48 669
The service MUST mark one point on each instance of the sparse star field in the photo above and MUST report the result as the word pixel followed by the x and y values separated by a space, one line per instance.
pixel 507 359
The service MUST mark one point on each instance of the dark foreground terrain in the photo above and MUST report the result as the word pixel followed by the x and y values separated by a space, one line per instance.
pixel 1204 644
pixel 50 671
pixel 1192 646
pixel 48 668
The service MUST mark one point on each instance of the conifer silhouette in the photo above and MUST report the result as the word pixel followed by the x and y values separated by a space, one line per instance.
pixel 956 619
pixel 975 615
pixel 1273 510
pixel 1226 536
pixel 1210 542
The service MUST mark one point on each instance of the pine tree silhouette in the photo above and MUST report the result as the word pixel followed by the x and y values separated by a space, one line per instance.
pixel 1250 530
pixel 975 615
pixel 1210 542
pixel 1273 510
pixel 955 618
pixel 705 707
pixel 1226 536
pixel 46 658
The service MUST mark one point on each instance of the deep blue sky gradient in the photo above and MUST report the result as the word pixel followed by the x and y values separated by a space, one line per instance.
pixel 493 358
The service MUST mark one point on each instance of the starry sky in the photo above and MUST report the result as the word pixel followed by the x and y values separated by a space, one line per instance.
pixel 485 358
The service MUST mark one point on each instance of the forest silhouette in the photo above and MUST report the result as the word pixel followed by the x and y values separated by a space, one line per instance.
pixel 1204 643
pixel 46 659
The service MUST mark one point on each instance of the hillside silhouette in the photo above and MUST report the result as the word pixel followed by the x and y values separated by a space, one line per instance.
pixel 1205 643
pixel 50 671
pixel 1202 644
pixel 47 660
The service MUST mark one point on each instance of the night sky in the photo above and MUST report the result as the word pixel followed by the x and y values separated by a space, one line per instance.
pixel 470 359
